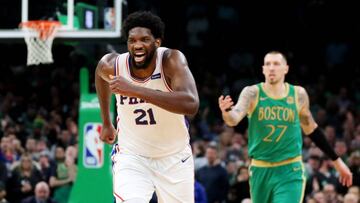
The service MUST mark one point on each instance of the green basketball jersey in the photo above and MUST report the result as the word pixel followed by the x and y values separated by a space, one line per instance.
pixel 274 127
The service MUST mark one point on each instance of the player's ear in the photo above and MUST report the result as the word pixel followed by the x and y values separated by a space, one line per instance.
pixel 263 69
pixel 286 69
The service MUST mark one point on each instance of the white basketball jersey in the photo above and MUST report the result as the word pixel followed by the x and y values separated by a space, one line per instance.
pixel 143 128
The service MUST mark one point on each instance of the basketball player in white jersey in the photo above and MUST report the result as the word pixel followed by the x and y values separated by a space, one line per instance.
pixel 154 91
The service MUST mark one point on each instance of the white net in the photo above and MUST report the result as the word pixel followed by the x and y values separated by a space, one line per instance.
pixel 39 36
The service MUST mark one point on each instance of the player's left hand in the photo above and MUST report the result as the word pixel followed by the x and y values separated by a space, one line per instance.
pixel 119 85
pixel 108 134
pixel 346 177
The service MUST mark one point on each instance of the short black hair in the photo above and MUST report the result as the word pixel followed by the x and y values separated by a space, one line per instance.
pixel 144 19
pixel 278 52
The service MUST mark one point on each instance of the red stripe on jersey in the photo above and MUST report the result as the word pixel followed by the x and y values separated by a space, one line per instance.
pixel 117 72
pixel 118 196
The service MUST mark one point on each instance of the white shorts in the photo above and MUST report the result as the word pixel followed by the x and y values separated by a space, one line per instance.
pixel 172 177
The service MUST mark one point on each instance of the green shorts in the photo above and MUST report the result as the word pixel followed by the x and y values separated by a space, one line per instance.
pixel 277 184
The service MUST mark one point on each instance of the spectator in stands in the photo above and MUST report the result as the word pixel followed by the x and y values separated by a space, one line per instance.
pixel 62 177
pixel 7 152
pixel 341 149
pixel 354 164
pixel 319 197
pixel 23 179
pixel 3 172
pixel 331 195
pixel 240 190
pixel 200 160
pixel 46 166
pixel 355 190
pixel 42 194
pixel 330 133
pixel 351 198
pixel 213 177
pixel 2 193
pixel 30 146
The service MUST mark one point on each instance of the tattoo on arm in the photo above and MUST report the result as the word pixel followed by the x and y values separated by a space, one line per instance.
pixel 247 96
pixel 242 107
pixel 306 119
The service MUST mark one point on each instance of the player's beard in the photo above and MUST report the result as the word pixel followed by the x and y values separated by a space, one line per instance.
pixel 273 81
pixel 145 64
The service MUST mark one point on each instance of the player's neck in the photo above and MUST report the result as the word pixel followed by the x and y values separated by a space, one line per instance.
pixel 276 90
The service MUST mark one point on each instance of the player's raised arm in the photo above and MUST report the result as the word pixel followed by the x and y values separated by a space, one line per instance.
pixel 105 68
pixel 312 130
pixel 232 115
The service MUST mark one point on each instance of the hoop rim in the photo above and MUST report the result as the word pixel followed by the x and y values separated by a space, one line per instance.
pixel 45 28
pixel 39 35
pixel 39 24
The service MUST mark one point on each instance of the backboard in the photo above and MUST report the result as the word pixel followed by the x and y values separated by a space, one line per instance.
pixel 79 18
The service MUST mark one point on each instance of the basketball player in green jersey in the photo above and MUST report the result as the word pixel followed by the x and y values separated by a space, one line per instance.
pixel 277 111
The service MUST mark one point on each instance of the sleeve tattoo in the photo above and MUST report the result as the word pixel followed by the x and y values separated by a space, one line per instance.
pixel 246 98
pixel 306 119
pixel 239 111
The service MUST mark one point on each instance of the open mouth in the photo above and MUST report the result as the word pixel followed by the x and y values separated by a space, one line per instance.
pixel 139 57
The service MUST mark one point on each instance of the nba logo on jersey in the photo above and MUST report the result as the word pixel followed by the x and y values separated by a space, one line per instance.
pixel 93 155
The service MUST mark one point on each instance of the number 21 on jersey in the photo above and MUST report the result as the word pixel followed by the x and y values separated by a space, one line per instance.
pixel 144 117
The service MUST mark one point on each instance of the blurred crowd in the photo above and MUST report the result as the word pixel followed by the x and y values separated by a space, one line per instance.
pixel 39 131
pixel 39 105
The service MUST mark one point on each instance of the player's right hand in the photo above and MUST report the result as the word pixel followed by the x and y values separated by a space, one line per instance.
pixel 225 103
pixel 108 134
pixel 120 85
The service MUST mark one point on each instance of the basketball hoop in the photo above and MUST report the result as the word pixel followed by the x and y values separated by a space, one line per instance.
pixel 39 36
